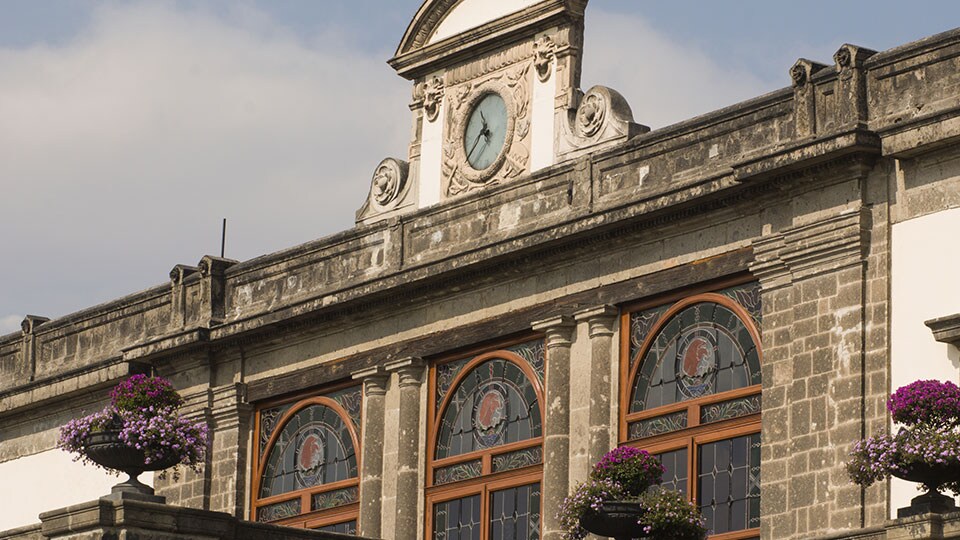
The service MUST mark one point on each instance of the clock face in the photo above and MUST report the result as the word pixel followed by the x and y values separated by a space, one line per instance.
pixel 486 131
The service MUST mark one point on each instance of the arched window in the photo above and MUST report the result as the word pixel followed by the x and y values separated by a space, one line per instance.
pixel 692 397
pixel 485 446
pixel 306 466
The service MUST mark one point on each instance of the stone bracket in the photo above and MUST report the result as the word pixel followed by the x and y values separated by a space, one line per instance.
pixel 946 329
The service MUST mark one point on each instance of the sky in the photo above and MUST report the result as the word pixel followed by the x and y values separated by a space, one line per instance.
pixel 129 130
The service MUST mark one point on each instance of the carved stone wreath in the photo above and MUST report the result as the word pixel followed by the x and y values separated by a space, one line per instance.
pixel 388 182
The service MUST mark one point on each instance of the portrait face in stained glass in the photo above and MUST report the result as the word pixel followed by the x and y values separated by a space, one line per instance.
pixel 494 404
pixel 314 447
pixel 702 349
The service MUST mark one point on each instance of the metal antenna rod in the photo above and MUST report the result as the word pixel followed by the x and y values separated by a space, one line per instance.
pixel 223 238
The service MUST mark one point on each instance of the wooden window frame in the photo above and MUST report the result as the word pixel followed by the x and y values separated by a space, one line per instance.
pixel 488 481
pixel 311 519
pixel 696 433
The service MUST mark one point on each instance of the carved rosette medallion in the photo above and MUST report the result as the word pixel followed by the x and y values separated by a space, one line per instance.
pixel 432 95
pixel 513 85
pixel 798 73
pixel 544 51
pixel 387 184
pixel 591 113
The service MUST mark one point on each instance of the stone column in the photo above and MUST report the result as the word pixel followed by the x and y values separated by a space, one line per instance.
pixel 371 464
pixel 601 321
pixel 410 379
pixel 556 430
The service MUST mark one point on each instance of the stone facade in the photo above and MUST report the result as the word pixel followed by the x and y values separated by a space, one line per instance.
pixel 799 189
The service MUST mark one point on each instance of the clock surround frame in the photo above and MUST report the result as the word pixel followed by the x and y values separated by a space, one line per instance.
pixel 477 94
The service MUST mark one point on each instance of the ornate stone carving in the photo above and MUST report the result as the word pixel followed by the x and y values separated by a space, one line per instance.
pixel 432 91
pixel 842 57
pixel 590 114
pixel 803 70
pixel 25 326
pixel 175 275
pixel 388 182
pixel 203 267
pixel 543 54
pixel 513 85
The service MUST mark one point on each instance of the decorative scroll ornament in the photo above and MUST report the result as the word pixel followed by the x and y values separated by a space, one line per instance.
pixel 432 91
pixel 388 181
pixel 798 74
pixel 543 54
pixel 591 113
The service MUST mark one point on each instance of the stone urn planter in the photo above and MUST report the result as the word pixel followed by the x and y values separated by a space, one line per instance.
pixel 106 449
pixel 932 477
pixel 615 519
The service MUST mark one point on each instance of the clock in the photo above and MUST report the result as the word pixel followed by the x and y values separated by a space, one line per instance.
pixel 486 131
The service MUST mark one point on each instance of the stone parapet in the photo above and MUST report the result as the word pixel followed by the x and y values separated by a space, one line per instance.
pixel 106 518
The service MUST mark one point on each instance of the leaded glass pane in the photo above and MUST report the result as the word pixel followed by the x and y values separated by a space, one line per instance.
pixel 734 408
pixel 458 472
pixel 347 527
pixel 517 459
pixel 728 483
pixel 351 400
pixel 703 349
pixel 269 419
pixel 494 404
pixel 657 425
pixel 515 513
pixel 313 448
pixel 534 353
pixel 334 498
pixel 458 519
pixel 675 470
pixel 280 510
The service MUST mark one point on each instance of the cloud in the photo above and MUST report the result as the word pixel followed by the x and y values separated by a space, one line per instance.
pixel 10 323
pixel 122 149
pixel 663 81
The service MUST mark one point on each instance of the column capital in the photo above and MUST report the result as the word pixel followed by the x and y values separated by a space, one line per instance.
pixel 374 380
pixel 409 369
pixel 559 330
pixel 600 318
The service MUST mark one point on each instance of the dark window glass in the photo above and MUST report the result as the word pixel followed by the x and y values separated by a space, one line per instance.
pixel 703 349
pixel 675 473
pixel 347 527
pixel 515 513
pixel 314 448
pixel 494 404
pixel 728 483
pixel 458 519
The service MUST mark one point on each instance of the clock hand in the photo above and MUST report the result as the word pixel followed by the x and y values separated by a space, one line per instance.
pixel 475 143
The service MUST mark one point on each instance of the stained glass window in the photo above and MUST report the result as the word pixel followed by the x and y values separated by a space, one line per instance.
pixel 307 461
pixel 486 458
pixel 692 397
pixel 495 404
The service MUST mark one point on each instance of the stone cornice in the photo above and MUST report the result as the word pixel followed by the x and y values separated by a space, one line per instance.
pixel 946 329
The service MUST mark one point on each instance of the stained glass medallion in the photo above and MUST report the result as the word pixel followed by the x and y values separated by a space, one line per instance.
pixel 494 404
pixel 702 349
pixel 314 447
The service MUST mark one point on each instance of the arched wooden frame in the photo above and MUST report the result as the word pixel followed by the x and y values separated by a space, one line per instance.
pixel 695 434
pixel 307 518
pixel 487 481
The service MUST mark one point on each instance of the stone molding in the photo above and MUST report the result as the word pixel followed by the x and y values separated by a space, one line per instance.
pixel 601 319
pixel 803 251
pixel 946 329
pixel 390 192
pixel 410 371
pixel 374 380
pixel 558 330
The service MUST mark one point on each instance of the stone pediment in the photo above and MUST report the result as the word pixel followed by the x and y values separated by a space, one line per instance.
pixel 442 29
